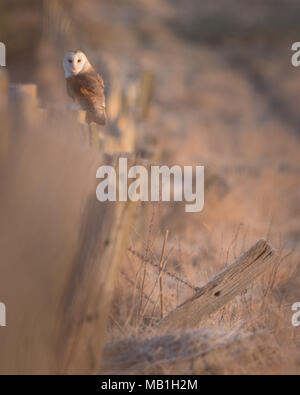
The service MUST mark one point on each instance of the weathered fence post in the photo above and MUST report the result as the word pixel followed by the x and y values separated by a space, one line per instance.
pixel 222 288
pixel 90 287
pixel 23 98
pixel 69 244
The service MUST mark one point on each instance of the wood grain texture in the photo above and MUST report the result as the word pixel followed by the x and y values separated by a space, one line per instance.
pixel 105 230
pixel 222 288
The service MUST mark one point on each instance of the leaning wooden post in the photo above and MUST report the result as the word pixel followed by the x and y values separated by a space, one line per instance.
pixel 222 288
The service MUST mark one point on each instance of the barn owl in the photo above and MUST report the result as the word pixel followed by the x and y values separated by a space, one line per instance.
pixel 85 86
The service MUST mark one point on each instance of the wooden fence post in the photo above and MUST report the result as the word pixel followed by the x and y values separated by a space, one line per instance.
pixel 90 288
pixel 24 99
pixel 222 288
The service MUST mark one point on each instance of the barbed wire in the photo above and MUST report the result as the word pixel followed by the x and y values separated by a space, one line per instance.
pixel 172 275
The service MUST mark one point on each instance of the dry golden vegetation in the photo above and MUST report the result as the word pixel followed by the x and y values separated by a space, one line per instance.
pixel 187 83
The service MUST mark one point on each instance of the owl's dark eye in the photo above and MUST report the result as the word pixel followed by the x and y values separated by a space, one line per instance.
pixel 70 60
pixel 79 60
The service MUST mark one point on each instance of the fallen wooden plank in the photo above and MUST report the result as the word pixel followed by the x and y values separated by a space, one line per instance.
pixel 237 355
pixel 202 351
pixel 222 288
pixel 255 350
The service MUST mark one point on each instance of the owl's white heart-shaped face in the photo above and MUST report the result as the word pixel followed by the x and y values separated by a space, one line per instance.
pixel 75 62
